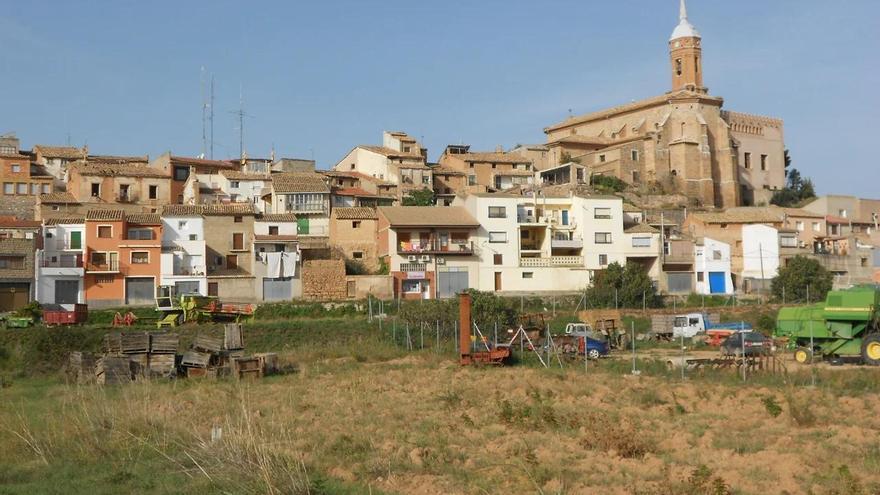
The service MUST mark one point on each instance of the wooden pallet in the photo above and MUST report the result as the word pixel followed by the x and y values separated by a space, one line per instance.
pixel 164 343
pixel 268 362
pixel 195 359
pixel 112 370
pixel 232 336
pixel 135 343
pixel 247 367
pixel 162 365
pixel 207 344
pixel 112 344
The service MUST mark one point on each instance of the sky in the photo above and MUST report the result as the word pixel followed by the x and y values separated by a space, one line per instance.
pixel 318 78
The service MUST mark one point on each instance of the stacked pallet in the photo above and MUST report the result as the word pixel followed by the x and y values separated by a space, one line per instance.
pixel 150 354
pixel 113 370
pixel 81 367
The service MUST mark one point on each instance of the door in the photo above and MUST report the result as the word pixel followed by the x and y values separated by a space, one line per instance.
pixel 231 262
pixel 717 283
pixel 277 289
pixel 113 261
pixel 14 296
pixel 66 291
pixel 452 281
pixel 139 290
pixel 213 289
pixel 302 225
pixel 76 240
pixel 497 281
pixel 444 241
pixel 564 217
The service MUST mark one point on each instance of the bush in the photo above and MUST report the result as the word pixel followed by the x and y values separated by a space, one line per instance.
pixel 355 267
pixel 800 275
pixel 629 286
pixel 607 183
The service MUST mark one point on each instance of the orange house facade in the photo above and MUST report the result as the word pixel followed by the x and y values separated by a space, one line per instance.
pixel 123 254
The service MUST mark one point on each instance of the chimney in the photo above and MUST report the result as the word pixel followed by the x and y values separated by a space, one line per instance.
pixel 499 149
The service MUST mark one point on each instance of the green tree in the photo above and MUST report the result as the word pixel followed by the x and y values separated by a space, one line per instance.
pixel 630 285
pixel 797 188
pixel 798 276
pixel 421 197
pixel 607 183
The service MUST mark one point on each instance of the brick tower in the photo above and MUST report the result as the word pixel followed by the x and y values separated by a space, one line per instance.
pixel 686 55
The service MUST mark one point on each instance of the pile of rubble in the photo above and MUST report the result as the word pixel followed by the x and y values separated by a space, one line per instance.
pixel 144 355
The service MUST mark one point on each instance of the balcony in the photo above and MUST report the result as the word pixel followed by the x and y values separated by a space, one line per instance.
pixel 306 207
pixel 126 198
pixel 532 220
pixel 61 261
pixel 189 271
pixel 553 261
pixel 567 243
pixel 106 267
pixel 434 246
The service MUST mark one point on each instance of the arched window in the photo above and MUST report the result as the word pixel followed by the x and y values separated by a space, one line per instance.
pixel 678 66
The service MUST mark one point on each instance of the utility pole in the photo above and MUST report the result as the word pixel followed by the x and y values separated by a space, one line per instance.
pixel 761 254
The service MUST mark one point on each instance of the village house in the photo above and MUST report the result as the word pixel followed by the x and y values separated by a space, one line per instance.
pixel 430 251
pixel 16 272
pixel 307 196
pixel 448 182
pixel 712 267
pixel 60 269
pixel 182 170
pixel 349 189
pixel 538 155
pixel 132 188
pixel 353 233
pixel 55 159
pixel 400 160
pixel 244 187
pixel 59 205
pixel 277 268
pixel 496 171
pixel 184 251
pixel 18 176
pixel 229 236
pixel 122 255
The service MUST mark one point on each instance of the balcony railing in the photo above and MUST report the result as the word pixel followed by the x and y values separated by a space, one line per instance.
pixel 61 262
pixel 567 243
pixel 553 261
pixel 189 271
pixel 434 246
pixel 106 267
pixel 306 207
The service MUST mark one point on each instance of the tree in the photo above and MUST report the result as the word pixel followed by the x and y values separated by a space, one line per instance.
pixel 798 276
pixel 421 197
pixel 607 183
pixel 629 286
pixel 797 189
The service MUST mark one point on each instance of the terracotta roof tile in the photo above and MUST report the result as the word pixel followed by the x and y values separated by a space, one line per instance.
pixel 428 216
pixel 743 215
pixel 641 228
pixel 304 182
pixel 105 215
pixel 12 222
pixel 64 221
pixel 202 162
pixel 58 198
pixel 237 175
pixel 117 170
pixel 390 152
pixel 182 210
pixel 144 218
pixel 118 160
pixel 276 217
pixel 356 213
pixel 64 152
pixel 278 237
pixel 441 170
pixel 492 157
pixel 235 209
pixel 353 191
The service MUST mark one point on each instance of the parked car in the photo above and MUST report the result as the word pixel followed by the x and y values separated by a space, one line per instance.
pixel 755 344
pixel 597 344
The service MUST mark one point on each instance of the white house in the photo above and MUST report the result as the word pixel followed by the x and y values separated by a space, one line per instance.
pixel 712 267
pixel 760 253
pixel 245 187
pixel 59 265
pixel 183 259
pixel 277 267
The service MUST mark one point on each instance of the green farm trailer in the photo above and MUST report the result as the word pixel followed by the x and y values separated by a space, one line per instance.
pixel 846 325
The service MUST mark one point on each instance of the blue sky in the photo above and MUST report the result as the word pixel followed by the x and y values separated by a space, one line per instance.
pixel 321 77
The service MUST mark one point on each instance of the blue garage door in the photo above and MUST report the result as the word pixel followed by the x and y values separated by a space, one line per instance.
pixel 717 283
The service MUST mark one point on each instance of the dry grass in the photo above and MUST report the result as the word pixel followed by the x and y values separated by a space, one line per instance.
pixel 423 425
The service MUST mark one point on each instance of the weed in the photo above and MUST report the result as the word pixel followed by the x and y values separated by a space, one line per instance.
pixel 801 411
pixel 620 437
pixel 773 408
pixel 840 481
pixel 451 399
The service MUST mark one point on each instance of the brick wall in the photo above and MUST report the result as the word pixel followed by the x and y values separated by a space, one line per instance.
pixel 324 280
pixel 18 247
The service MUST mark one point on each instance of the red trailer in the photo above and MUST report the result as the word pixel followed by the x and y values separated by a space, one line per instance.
pixel 56 315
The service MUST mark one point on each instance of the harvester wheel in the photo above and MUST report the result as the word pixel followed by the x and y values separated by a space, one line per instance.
pixel 871 350
pixel 803 355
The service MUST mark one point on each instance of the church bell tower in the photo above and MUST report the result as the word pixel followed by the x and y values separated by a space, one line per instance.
pixel 686 55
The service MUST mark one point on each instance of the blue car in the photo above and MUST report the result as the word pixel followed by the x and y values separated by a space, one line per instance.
pixel 595 348
pixel 597 345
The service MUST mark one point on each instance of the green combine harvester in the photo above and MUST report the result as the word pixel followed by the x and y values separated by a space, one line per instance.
pixel 846 325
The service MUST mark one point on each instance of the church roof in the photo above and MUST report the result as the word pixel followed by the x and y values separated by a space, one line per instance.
pixel 684 29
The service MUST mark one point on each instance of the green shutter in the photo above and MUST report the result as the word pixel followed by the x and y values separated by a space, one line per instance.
pixel 76 240
pixel 302 225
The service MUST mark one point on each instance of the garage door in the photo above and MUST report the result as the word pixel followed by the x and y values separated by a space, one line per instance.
pixel 139 291
pixel 66 291
pixel 14 296
pixel 190 287
pixel 717 283
pixel 277 289
pixel 451 281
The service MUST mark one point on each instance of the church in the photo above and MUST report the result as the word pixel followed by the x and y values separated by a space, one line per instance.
pixel 682 141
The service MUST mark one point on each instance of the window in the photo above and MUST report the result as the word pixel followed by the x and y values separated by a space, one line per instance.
pixel 140 257
pixel 232 262
pixel 799 226
pixel 678 67
pixel 193 237
pixel 748 160
pixel 273 230
pixel 701 276
pixel 789 241
pixel 472 179
pixel 352 167
pixel 140 234
pixel 497 259
pixel 105 231
pixel 763 162
pixel 8 188
pixel 182 224
pixel 358 255
pixel 35 189
pixel 12 262
pixel 601 158
pixel 153 192
pixel 497 237
pixel 817 227
pixel 497 212
pixel 96 190
pixel 864 262
pixel 602 213
pixel 238 241
pixel 237 219
pixel 634 154
pixel 181 173
pixel 641 242
pixel 234 184
pixel 46 188
pixel 22 188
pixel 356 224
pixel 411 286
pixel 493 166
pixel 426 179
pixel 16 168
pixel 603 237
pixel 528 274
pixel 603 260
pixel 406 149
pixel 99 258
pixel 842 212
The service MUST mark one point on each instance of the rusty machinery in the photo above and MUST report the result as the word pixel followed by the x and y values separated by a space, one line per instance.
pixel 476 350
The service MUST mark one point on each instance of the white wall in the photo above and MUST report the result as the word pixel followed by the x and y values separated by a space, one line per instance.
pixel 705 262
pixel 589 226
pixel 45 289
pixel 368 163
pixel 760 245
pixel 172 230
pixel 284 228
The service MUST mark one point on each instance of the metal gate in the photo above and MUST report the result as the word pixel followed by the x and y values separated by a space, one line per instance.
pixel 14 296
pixel 451 281
pixel 139 291
pixel 717 283
pixel 187 287
pixel 277 289
pixel 66 291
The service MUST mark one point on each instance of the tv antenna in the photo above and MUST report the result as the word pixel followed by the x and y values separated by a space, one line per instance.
pixel 241 114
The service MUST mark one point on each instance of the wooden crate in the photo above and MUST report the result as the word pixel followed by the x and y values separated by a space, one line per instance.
pixel 201 373
pixel 112 344
pixel 268 362
pixel 135 343
pixel 195 359
pixel 232 336
pixel 140 363
pixel 164 343
pixel 207 344
pixel 112 370
pixel 162 365
pixel 81 367
pixel 247 367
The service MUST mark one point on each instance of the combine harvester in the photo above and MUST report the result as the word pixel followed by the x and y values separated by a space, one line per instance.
pixel 846 325
pixel 179 309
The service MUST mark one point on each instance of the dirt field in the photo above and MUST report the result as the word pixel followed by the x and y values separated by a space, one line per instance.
pixel 421 424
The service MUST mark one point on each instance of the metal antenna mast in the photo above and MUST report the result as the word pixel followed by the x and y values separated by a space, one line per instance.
pixel 241 115
pixel 204 114
pixel 211 118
